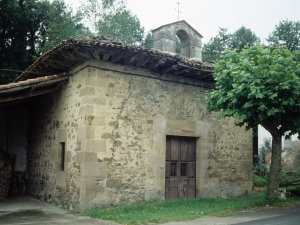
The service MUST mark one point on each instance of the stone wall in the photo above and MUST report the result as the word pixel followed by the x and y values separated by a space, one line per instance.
pixel 114 120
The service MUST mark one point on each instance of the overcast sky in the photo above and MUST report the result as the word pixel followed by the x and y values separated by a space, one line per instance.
pixel 206 16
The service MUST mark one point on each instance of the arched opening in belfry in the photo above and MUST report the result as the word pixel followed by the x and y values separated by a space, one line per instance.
pixel 184 40
pixel 177 49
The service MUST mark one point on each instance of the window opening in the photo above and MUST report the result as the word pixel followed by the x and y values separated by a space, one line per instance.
pixel 62 156
pixel 183 169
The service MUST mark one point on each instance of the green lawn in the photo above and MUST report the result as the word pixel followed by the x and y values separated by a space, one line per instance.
pixel 178 210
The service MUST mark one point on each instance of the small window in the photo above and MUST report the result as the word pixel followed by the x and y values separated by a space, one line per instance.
pixel 62 156
pixel 183 169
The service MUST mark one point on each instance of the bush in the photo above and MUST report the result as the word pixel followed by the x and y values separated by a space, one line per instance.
pixel 259 181
pixel 287 178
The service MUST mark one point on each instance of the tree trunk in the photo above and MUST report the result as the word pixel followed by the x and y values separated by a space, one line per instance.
pixel 275 168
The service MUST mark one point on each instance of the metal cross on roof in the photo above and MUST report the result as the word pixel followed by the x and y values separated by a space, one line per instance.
pixel 178 9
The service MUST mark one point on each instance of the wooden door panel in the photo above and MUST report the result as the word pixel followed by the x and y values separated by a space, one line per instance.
pixel 173 188
pixel 175 149
pixel 184 149
pixel 180 167
pixel 192 182
pixel 191 188
pixel 168 169
pixel 173 182
pixel 192 149
pixel 183 188
pixel 191 169
pixel 168 149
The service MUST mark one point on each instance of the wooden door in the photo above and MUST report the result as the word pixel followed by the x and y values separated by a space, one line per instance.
pixel 180 167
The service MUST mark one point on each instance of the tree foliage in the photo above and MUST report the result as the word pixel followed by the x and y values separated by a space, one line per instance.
pixel 29 28
pixel 243 37
pixel 93 10
pixel 148 42
pixel 265 149
pixel 213 50
pixel 121 25
pixel 111 19
pixel 260 85
pixel 286 33
pixel 20 22
pixel 216 45
pixel 62 23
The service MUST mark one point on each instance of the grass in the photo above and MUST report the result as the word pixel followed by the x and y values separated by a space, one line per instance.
pixel 180 210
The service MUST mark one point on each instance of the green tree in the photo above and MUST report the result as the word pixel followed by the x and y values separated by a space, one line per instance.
pixel 260 85
pixel 94 10
pixel 20 23
pixel 111 19
pixel 286 33
pixel 243 37
pixel 61 23
pixel 121 26
pixel 29 28
pixel 215 47
pixel 265 149
pixel 148 42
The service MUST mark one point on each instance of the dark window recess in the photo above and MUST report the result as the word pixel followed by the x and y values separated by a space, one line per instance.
pixel 62 156
pixel 173 169
pixel 183 169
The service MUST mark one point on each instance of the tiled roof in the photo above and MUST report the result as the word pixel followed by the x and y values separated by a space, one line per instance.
pixel 31 87
pixel 40 78
pixel 74 51
pixel 37 81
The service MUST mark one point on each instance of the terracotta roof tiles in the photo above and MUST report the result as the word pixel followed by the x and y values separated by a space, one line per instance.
pixel 74 51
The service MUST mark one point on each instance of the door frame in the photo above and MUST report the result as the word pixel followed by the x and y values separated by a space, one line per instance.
pixel 180 180
pixel 185 128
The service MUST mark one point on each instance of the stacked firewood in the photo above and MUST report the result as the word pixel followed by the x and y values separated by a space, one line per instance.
pixel 5 174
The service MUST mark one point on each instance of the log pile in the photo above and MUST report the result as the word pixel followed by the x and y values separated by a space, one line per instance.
pixel 5 174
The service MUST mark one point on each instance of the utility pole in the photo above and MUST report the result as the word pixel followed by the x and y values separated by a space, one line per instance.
pixel 178 9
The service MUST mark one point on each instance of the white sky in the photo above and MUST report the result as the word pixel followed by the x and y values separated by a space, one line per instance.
pixel 206 16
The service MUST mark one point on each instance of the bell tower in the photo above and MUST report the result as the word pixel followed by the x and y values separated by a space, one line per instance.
pixel 164 39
